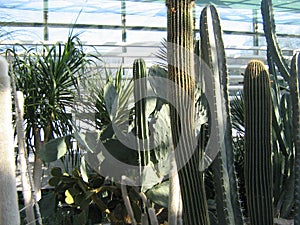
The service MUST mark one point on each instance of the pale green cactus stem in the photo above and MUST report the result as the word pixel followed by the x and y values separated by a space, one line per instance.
pixel 181 71
pixel 258 137
pixel 141 123
pixel 219 151
pixel 9 212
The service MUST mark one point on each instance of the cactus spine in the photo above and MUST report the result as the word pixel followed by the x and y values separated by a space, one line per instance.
pixel 181 71
pixel 9 213
pixel 219 148
pixel 258 152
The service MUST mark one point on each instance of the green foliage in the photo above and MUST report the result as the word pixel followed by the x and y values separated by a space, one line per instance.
pixel 78 197
pixel 49 78
pixel 159 194
pixel 55 149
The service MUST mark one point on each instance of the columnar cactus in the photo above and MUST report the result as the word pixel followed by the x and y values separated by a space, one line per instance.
pixel 291 76
pixel 295 90
pixel 258 152
pixel 9 213
pixel 219 148
pixel 141 123
pixel 271 38
pixel 181 72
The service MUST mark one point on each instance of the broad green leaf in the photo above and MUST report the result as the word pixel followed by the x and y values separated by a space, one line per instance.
pixel 110 97
pixel 161 130
pixel 116 149
pixel 150 106
pixel 149 177
pixel 159 194
pixel 54 149
pixel 88 140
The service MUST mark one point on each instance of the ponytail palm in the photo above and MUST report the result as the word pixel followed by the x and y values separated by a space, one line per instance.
pixel 48 76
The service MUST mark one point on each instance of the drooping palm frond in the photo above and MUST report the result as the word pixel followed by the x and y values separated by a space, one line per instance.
pixel 237 113
pixel 162 55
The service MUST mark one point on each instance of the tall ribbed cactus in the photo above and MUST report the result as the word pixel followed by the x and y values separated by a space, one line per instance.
pixel 275 54
pixel 141 123
pixel 219 150
pixel 290 75
pixel 295 90
pixel 9 213
pixel 181 71
pixel 258 152
pixel 142 130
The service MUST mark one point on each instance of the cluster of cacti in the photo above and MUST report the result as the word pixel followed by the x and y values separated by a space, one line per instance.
pixel 258 151
pixel 191 158
pixel 219 150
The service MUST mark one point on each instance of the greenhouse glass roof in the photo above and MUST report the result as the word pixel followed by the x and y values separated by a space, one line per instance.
pixel 96 5
pixel 146 15
pixel 127 29
pixel 151 8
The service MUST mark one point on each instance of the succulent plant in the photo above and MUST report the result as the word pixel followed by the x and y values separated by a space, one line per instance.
pixel 219 149
pixel 181 72
pixel 258 137
pixel 9 212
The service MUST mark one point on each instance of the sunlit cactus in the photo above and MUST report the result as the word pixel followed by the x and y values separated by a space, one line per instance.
pixel 9 213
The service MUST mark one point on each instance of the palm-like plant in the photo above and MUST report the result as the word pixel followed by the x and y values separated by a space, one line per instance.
pixel 49 77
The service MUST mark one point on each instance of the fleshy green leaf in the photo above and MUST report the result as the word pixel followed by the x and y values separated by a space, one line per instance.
pixel 159 194
pixel 149 177
pixel 54 149
pixel 56 172
pixel 110 96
